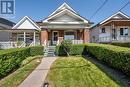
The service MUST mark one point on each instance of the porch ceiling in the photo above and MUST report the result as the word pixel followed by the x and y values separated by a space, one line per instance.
pixel 117 23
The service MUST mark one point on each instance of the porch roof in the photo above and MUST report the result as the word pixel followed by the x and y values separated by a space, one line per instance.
pixel 117 23
pixel 19 30
pixel 64 26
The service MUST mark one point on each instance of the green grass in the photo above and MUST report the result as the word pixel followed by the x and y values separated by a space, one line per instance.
pixel 14 79
pixel 78 72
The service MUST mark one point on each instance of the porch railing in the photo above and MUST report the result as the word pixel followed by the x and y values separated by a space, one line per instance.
pixel 77 41
pixel 117 39
pixel 11 44
pixel 7 45
pixel 104 39
pixel 123 39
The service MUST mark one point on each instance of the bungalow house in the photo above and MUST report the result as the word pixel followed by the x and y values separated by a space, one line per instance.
pixel 116 28
pixel 63 24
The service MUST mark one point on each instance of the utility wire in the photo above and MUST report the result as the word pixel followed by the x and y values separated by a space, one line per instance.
pixel 98 9
pixel 124 6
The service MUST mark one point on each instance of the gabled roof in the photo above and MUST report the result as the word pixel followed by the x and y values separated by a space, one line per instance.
pixel 26 23
pixel 118 15
pixel 69 12
pixel 65 8
pixel 62 7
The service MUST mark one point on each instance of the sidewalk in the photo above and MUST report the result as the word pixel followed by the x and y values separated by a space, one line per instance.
pixel 37 77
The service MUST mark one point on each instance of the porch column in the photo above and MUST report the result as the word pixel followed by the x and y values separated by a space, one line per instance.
pixel 24 35
pixel 34 38
pixel 44 37
pixel 86 36
pixel 61 36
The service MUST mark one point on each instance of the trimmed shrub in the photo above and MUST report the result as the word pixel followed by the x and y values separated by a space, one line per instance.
pixel 126 44
pixel 66 46
pixel 11 59
pixel 36 50
pixel 60 51
pixel 114 56
pixel 74 50
pixel 77 49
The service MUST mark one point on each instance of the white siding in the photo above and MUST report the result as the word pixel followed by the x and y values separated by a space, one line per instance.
pixel 26 25
pixel 107 32
pixel 94 34
pixel 65 18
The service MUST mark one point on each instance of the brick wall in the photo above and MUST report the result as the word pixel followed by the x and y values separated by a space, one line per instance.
pixel 44 36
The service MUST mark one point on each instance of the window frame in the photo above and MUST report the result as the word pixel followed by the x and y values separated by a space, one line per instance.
pixel 125 31
pixel 68 35
pixel 103 30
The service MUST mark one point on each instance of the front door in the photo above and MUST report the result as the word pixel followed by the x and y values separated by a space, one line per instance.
pixel 54 37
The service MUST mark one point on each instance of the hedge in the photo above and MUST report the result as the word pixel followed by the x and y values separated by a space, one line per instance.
pixel 114 56
pixel 75 50
pixel 78 49
pixel 11 59
pixel 36 50
pixel 125 44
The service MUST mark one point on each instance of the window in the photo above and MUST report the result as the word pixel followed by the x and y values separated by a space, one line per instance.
pixel 103 30
pixel 69 35
pixel 124 31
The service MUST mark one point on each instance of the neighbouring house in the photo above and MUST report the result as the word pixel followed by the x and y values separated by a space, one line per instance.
pixel 63 24
pixel 4 34
pixel 5 24
pixel 116 28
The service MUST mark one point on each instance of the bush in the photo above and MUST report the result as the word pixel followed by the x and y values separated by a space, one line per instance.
pixel 114 56
pixel 74 50
pixel 78 49
pixel 36 50
pixel 126 44
pixel 60 51
pixel 65 47
pixel 11 59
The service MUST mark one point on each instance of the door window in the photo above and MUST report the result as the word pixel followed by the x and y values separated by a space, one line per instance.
pixel 55 37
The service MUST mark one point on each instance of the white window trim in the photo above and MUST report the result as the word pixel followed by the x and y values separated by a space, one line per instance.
pixel 71 31
pixel 124 30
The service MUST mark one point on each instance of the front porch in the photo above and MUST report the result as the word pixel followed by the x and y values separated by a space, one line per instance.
pixel 55 37
pixel 21 38
pixel 115 31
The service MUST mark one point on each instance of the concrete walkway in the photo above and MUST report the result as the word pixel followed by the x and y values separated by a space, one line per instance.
pixel 37 77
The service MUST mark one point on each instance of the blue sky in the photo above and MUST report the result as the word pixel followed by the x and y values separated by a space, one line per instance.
pixel 40 9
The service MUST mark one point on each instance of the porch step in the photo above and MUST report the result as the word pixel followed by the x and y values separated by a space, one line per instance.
pixel 49 51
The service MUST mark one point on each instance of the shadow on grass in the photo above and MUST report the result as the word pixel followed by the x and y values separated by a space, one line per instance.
pixel 114 74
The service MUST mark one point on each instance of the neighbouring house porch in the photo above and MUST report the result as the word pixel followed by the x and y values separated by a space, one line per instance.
pixel 21 38
pixel 55 37
pixel 115 31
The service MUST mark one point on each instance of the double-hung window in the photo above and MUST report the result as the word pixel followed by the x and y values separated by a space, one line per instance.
pixel 103 30
pixel 69 35
pixel 124 31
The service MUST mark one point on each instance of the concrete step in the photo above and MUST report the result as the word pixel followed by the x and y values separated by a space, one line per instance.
pixel 49 51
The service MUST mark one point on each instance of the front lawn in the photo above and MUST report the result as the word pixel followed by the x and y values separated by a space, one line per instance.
pixel 14 79
pixel 78 72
